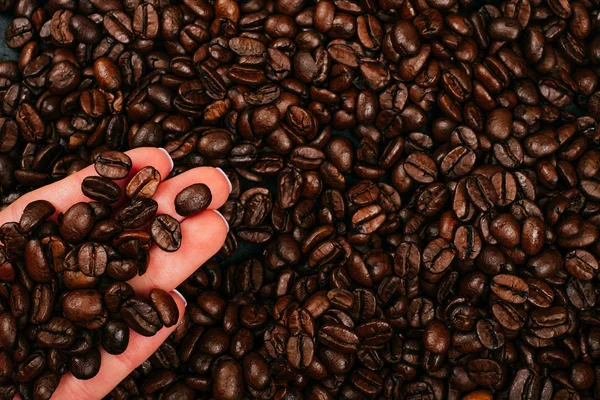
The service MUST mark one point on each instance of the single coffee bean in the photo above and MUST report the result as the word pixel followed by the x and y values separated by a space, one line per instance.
pixel 115 337
pixel 165 306
pixel 77 222
pixel 113 165
pixel 144 184
pixel 35 213
pixel 137 213
pixel 101 189
pixel 141 317
pixel 436 337
pixel 166 232
pixel 193 199
pixel 85 366
pixel 510 288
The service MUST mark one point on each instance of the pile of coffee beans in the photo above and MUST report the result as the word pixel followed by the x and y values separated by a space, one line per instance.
pixel 63 282
pixel 418 180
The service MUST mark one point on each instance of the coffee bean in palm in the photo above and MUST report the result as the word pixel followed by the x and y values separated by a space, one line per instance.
pixel 34 214
pixel 85 366
pixel 165 306
pixel 115 337
pixel 37 263
pixel 166 232
pixel 101 189
pixel 193 199
pixel 45 385
pixel 141 317
pixel 92 259
pixel 76 222
pixel 137 213
pixel 113 165
pixel 83 305
pixel 144 183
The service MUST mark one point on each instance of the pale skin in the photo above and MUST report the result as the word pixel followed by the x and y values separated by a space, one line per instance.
pixel 203 236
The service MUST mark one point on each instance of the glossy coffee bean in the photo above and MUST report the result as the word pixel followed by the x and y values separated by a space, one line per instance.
pixel 166 232
pixel 165 306
pixel 113 165
pixel 193 199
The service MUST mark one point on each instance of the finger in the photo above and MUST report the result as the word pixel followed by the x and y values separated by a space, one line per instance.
pixel 115 368
pixel 66 192
pixel 203 236
pixel 214 178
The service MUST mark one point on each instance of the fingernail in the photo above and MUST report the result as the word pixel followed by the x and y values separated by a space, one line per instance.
pixel 224 220
pixel 176 293
pixel 169 156
pixel 226 178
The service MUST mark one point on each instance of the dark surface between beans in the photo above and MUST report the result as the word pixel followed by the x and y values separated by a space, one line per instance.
pixel 61 285
pixel 415 193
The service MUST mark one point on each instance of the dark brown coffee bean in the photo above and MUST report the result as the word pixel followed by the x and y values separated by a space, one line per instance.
pixel 19 32
pixel 490 334
pixel 77 222
pixel 166 232
pixel 421 168
pixel 165 306
pixel 581 264
pixel 510 288
pixel 141 317
pixel 92 259
pixel 85 366
pixel 436 337
pixel 137 213
pixel 101 189
pixel 34 214
pixel 144 184
pixel 338 338
pixel 193 199
pixel 81 306
pixel 119 26
pixel 115 337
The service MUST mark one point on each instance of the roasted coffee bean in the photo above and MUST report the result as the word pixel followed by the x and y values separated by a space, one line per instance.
pixel 137 213
pixel 166 232
pixel 113 165
pixel 115 337
pixel 101 189
pixel 85 366
pixel 77 222
pixel 92 259
pixel 165 306
pixel 141 317
pixel 436 337
pixel 144 184
pixel 193 199
pixel 34 214
pixel 83 305
pixel 510 288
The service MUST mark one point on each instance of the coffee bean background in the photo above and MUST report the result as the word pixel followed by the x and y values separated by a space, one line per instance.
pixel 415 201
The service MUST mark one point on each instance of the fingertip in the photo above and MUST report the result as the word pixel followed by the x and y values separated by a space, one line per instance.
pixel 217 219
pixel 171 163
pixel 178 297
pixel 223 218
pixel 226 178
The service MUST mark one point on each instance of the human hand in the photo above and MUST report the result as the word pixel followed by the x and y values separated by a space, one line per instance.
pixel 202 236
